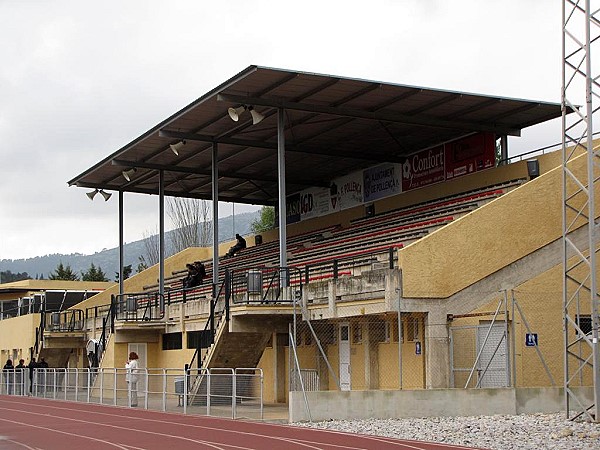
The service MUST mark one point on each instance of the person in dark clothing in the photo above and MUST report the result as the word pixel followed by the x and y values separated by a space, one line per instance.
pixel 31 366
pixel 9 372
pixel 239 245
pixel 191 279
pixel 201 270
pixel 43 364
pixel 19 378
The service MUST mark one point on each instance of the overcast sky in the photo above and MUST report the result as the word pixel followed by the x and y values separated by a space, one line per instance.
pixel 79 79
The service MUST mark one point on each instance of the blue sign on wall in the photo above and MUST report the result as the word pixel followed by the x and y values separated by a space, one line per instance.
pixel 531 340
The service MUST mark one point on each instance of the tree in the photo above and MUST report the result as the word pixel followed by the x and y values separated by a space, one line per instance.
pixel 93 274
pixel 141 264
pixel 63 273
pixel 151 244
pixel 190 219
pixel 126 273
pixel 265 222
pixel 8 277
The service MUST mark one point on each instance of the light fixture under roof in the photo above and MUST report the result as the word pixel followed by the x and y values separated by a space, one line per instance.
pixel 92 194
pixel 176 147
pixel 102 192
pixel 127 174
pixel 235 113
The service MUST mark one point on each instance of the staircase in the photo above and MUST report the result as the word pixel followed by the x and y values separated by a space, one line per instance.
pixel 230 350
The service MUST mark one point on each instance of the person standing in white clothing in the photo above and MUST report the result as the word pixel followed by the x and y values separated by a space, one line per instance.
pixel 132 378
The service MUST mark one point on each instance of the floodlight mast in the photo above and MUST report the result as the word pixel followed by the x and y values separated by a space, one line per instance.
pixel 580 230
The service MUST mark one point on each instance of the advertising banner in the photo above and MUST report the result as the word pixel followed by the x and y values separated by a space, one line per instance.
pixel 314 202
pixel 381 181
pixel 423 168
pixel 470 154
pixel 292 207
pixel 350 190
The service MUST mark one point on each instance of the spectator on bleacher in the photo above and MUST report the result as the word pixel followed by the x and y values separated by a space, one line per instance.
pixel 43 363
pixel 239 245
pixel 201 269
pixel 191 277
pixel 9 372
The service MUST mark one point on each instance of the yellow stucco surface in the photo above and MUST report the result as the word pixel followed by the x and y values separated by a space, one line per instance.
pixel 486 240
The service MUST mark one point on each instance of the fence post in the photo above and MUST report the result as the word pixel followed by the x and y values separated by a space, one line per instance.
pixel 185 390
pixel 233 392
pixel 164 390
pixel 208 377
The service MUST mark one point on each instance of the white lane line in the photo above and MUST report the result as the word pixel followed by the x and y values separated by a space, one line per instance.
pixel 247 433
pixel 198 441
pixel 20 443
pixel 62 432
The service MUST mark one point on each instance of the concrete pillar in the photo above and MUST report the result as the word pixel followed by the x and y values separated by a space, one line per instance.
pixel 279 367
pixel 437 350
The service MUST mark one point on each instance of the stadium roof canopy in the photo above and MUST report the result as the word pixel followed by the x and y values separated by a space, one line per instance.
pixel 333 126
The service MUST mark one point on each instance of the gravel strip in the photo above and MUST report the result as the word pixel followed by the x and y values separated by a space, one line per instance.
pixel 535 431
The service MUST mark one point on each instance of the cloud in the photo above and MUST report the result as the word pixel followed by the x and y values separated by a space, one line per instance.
pixel 79 80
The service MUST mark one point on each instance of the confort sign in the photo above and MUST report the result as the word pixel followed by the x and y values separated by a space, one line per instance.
pixel 433 165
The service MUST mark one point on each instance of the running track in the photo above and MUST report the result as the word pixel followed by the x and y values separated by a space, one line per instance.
pixel 32 423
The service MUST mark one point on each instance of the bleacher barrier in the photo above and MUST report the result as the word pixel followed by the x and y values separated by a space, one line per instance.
pixel 235 393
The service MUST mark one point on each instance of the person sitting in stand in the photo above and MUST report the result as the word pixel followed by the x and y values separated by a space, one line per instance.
pixel 239 245
pixel 201 270
pixel 191 279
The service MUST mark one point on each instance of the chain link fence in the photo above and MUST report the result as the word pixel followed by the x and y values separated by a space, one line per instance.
pixel 515 340
pixel 360 353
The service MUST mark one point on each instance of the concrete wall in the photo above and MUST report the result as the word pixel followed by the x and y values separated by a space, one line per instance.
pixel 490 238
pixel 426 403
pixel 18 333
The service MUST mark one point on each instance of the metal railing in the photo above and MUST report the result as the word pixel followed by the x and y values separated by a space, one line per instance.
pixel 219 312
pixel 64 321
pixel 139 306
pixel 235 393
pixel 266 285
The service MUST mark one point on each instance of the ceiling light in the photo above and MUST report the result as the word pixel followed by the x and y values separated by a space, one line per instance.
pixel 92 194
pixel 177 147
pixel 105 194
pixel 127 174
pixel 235 113
pixel 256 116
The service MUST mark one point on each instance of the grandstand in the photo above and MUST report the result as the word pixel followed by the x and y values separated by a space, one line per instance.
pixel 408 264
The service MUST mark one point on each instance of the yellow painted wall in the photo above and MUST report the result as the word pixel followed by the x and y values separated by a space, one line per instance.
pixel 484 241
pixel 18 333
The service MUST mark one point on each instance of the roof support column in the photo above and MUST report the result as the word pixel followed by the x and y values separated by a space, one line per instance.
pixel 215 218
pixel 161 234
pixel 504 149
pixel 282 199
pixel 121 245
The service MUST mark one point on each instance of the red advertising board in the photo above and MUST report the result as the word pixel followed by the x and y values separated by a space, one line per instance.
pixel 470 154
pixel 448 161
pixel 423 168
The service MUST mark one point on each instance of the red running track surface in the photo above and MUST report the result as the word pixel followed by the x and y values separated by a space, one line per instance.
pixel 32 423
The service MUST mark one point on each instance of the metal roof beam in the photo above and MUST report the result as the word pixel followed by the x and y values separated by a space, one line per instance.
pixel 225 140
pixel 361 114
pixel 222 174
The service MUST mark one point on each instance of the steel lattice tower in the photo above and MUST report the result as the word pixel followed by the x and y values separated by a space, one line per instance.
pixel 581 174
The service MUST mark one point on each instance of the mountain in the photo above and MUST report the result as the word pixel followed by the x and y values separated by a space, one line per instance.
pixel 108 259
